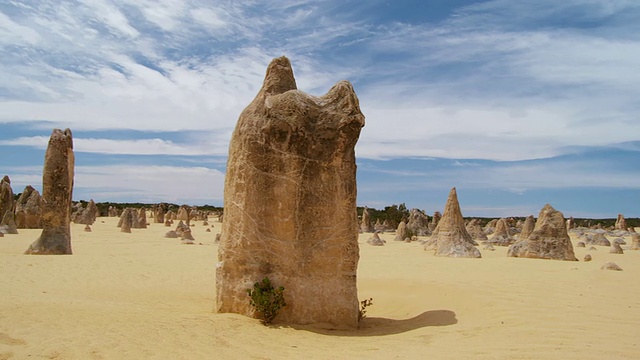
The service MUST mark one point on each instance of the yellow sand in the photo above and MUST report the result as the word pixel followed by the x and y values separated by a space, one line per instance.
pixel 141 296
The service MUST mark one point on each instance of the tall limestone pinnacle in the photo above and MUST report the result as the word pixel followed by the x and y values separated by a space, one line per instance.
pixel 452 238
pixel 290 202
pixel 57 190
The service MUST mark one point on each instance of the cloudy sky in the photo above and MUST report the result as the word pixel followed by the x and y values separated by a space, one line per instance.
pixel 517 103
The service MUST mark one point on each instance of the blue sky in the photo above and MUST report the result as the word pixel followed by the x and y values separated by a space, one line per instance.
pixel 516 103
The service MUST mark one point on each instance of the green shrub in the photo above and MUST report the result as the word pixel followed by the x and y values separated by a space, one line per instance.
pixel 266 300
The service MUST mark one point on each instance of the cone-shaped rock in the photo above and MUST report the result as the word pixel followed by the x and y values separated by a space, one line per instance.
pixel 451 236
pixel 401 232
pixel 158 212
pixel 375 240
pixel 501 235
pixel 87 216
pixel 621 223
pixel 635 241
pixel 29 209
pixel 549 239
pixel 418 223
pixel 290 202
pixel 6 196
pixel 527 228
pixel 475 230
pixel 365 225
pixel 57 192
pixel 8 223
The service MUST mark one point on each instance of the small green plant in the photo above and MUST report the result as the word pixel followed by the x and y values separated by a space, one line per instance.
pixel 266 300
pixel 363 307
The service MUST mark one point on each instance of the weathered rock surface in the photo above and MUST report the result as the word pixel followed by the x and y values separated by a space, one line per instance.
pixel 635 241
pixel 290 202
pixel 29 209
pixel 158 213
pixel 435 219
pixel 615 248
pixel 8 223
pixel 365 224
pixel 609 265
pixel 549 239
pixel 6 196
pixel 501 235
pixel 57 192
pixel 126 220
pixel 621 223
pixel 475 230
pixel 418 223
pixel 142 218
pixel 450 236
pixel 184 214
pixel 112 212
pixel 88 215
pixel 375 240
pixel 527 227
pixel 597 239
pixel 401 232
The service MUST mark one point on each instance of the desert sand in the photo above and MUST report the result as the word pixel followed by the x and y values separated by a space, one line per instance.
pixel 141 296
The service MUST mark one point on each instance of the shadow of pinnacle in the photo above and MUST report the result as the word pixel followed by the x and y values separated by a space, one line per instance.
pixel 377 326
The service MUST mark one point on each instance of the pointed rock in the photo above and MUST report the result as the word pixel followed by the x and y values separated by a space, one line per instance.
pixel 501 235
pixel 418 223
pixel 365 225
pixel 6 196
pixel 375 240
pixel 609 265
pixel 29 209
pixel 8 224
pixel 475 230
pixel 621 223
pixel 527 228
pixel 452 238
pixel 549 239
pixel 401 232
pixel 635 241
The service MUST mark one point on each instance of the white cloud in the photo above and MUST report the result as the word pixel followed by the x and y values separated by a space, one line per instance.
pixel 199 146
pixel 130 182
pixel 14 33
pixel 487 83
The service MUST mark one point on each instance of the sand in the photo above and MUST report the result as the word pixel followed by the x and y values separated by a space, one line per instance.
pixel 141 296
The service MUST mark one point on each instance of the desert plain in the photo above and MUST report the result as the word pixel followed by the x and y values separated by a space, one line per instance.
pixel 143 296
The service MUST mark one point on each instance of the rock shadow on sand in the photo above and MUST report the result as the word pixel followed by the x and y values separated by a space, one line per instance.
pixel 378 326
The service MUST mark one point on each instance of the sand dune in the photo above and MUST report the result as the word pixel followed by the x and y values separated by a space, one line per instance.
pixel 141 296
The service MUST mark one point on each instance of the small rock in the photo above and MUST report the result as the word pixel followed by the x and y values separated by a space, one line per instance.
pixel 489 247
pixel 580 244
pixel 610 266
pixel 587 257
pixel 615 248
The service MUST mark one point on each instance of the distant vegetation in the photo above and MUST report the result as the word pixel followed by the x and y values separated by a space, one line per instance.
pixel 393 214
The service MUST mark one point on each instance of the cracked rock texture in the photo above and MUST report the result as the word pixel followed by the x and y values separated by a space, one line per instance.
pixel 290 202
pixel 57 189
pixel 451 236
pixel 548 240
